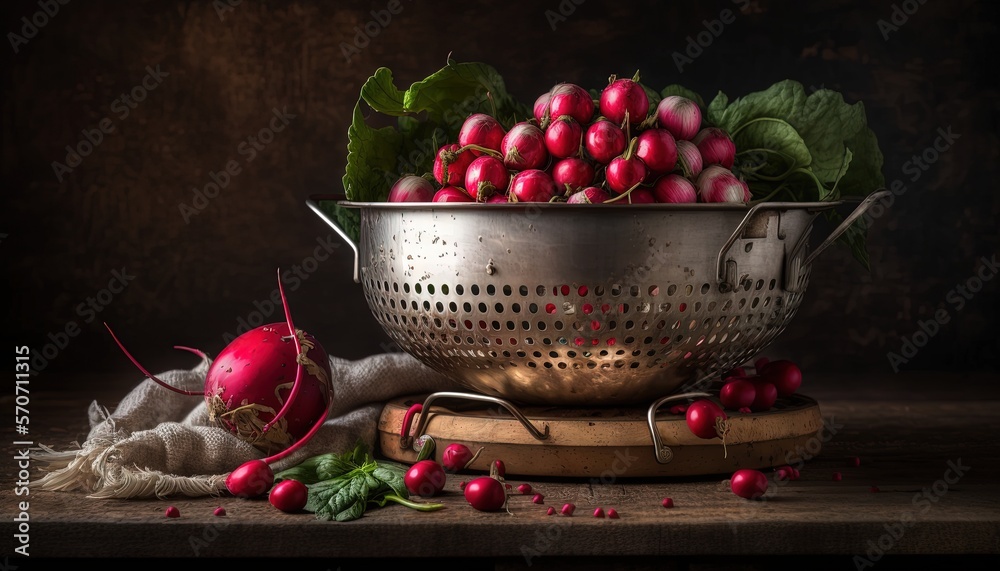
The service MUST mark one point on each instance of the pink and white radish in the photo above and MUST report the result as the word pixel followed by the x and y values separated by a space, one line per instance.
pixel 523 147
pixel 569 99
pixel 718 184
pixel 589 195
pixel 485 177
pixel 679 115
pixel 532 185
pixel 411 188
pixel 689 161
pixel 452 194
pixel 674 189
pixel 716 147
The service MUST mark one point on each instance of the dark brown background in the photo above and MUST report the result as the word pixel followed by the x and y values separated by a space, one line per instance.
pixel 194 281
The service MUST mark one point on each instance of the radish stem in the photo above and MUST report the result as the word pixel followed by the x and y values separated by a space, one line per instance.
pixel 298 368
pixel 147 373
pixel 419 506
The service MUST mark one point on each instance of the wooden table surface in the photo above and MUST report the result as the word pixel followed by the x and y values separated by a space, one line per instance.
pixel 927 441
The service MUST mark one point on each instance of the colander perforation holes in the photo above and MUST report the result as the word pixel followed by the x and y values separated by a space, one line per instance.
pixel 671 289
pixel 482 307
pixel 427 305
pixel 526 325
pixel 771 285
pixel 460 289
pixel 599 291
pixel 616 290
pixel 474 289
pixel 511 326
pixel 507 290
pixel 540 290
pixel 760 285
pixel 705 288
pixel 417 287
pixel 653 290
pixel 395 287
pixel 406 288
pixel 533 307
pixel 523 290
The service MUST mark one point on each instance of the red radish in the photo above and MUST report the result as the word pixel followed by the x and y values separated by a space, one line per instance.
pixel 219 511
pixel 874 489
pixel 485 177
pixel 706 419
pixel 564 137
pixel 667 502
pixel 572 175
pixel 457 457
pixel 481 130
pixel 411 188
pixel 657 149
pixel 837 476
pixel 674 189
pixel 783 473
pixel 719 184
pixel 625 171
pixel 765 395
pixel 785 375
pixel 289 496
pixel 689 159
pixel 172 511
pixel 624 98
pixel 604 141
pixel 498 199
pixel 486 494
pixel 452 194
pixel 854 461
pixel 759 363
pixel 550 511
pixel 737 393
pixel 568 99
pixel 532 185
pixel 498 468
pixel 452 161
pixel 538 499
pixel 524 488
pixel 745 409
pixel 567 509
pixel 749 484
pixel 678 409
pixel 612 513
pixel 795 473
pixel 737 372
pixel 599 512
pixel 679 115
pixel 462 485
pixel 589 195
pixel 523 147
pixel 540 109
pixel 425 478
pixel 716 147
pixel 639 196
pixel 245 385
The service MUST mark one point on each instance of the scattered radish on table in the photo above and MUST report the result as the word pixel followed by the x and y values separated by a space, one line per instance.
pixel 289 496
pixel 457 457
pixel 783 374
pixel 425 478
pixel 748 483
pixel 172 512
pixel 486 494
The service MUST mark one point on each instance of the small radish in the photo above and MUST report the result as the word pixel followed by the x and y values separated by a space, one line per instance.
pixel 837 476
pixel 719 184
pixel 748 483
pixel 612 513
pixel 604 141
pixel 485 494
pixel 674 189
pixel 251 479
pixel 532 185
pixel 589 195
pixel 524 488
pixel 599 512
pixel 567 509
pixel 457 457
pixel 785 375
pixel 624 98
pixel 765 395
pixel 658 150
pixel 745 409
pixel 523 147
pixel 679 115
pixel 564 137
pixel 219 511
pixel 550 511
pixel 451 162
pixel 706 419
pixel 481 130
pixel 425 478
pixel 626 171
pixel 289 496
pixel 759 364
pixel 874 489
pixel 716 147
pixel 641 195
pixel 854 461
pixel 499 469
pixel 538 499
pixel 667 502
pixel 540 110
pixel 569 99
pixel 172 512
pixel 411 188
pixel 462 485
pixel 678 409
pixel 452 194
pixel 485 177
pixel 689 160
pixel 572 175
pixel 737 393
pixel 737 372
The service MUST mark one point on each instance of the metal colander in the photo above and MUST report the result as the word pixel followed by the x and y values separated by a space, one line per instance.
pixel 584 305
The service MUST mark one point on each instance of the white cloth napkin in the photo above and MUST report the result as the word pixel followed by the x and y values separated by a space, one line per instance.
pixel 159 443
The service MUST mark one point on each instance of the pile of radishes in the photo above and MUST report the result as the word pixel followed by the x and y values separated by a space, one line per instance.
pixel 616 149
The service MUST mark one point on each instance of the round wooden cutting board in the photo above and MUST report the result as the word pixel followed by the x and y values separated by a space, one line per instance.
pixel 606 443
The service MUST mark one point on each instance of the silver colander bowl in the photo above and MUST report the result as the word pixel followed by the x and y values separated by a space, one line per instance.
pixel 584 305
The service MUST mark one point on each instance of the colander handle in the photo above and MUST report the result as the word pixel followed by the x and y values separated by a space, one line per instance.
pixel 858 212
pixel 663 452
pixel 406 439
pixel 314 206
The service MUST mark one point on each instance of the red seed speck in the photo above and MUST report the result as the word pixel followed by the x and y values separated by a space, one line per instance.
pixel 854 461
pixel 745 410
pixel 599 512
pixel 524 488
pixel 667 502
pixel 172 512
pixel 462 485
pixel 508 486
pixel 784 473
pixel 568 509
pixel 550 511
pixel 612 513
pixel 219 511
pixel 837 477
pixel 538 499
pixel 678 409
